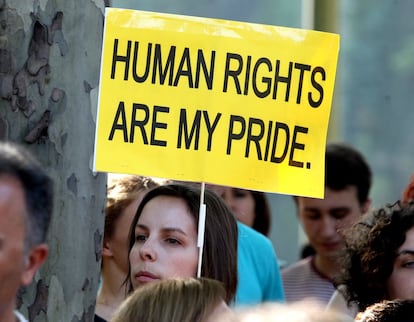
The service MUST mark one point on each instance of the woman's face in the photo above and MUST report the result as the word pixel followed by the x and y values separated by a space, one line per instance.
pixel 400 284
pixel 241 203
pixel 165 242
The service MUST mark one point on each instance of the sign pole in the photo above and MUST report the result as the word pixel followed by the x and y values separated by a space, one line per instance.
pixel 201 228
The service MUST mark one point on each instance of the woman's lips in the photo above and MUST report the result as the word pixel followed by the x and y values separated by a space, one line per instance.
pixel 145 277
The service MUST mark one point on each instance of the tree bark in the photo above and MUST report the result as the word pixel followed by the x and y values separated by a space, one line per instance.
pixel 49 75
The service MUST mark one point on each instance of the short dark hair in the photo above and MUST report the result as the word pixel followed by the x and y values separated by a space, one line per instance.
pixel 371 246
pixel 19 163
pixel 345 166
pixel 219 260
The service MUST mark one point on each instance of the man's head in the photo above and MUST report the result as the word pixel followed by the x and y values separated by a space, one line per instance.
pixel 25 210
pixel 347 184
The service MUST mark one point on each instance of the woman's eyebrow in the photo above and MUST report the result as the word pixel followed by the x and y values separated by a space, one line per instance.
pixel 164 229
pixel 174 230
pixel 141 226
pixel 405 252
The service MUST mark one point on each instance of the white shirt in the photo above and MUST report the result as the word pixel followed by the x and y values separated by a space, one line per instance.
pixel 20 317
pixel 338 303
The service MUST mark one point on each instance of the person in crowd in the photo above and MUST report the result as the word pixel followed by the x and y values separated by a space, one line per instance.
pixel 377 262
pixel 408 192
pixel 258 269
pixel 26 205
pixel 347 186
pixel 175 300
pixel 164 233
pixel 124 193
pixel 250 207
pixel 259 272
pixel 388 311
pixel 302 311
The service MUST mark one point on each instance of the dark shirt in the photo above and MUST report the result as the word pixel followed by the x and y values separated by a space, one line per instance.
pixel 98 319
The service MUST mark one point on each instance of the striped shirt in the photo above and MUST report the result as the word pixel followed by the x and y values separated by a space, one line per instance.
pixel 302 281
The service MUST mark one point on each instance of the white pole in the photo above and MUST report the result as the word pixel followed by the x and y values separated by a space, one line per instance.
pixel 201 229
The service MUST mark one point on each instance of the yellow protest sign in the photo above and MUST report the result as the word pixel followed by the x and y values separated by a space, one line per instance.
pixel 207 100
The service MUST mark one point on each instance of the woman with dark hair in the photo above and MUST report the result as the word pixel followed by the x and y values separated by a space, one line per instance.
pixel 250 207
pixel 259 271
pixel 163 238
pixel 123 195
pixel 378 260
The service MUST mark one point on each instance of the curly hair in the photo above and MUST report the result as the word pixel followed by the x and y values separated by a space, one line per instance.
pixel 371 248
pixel 388 311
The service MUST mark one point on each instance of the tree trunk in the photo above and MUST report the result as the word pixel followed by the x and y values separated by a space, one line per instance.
pixel 49 73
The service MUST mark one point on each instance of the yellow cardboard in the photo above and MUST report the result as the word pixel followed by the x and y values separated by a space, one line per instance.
pixel 216 101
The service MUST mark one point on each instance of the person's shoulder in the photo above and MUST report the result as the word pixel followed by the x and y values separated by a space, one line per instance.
pixel 252 236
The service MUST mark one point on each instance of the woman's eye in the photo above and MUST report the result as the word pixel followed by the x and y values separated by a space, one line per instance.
pixel 173 241
pixel 409 264
pixel 140 237
pixel 240 194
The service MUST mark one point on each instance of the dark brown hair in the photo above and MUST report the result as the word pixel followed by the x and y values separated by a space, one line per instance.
pixel 371 248
pixel 388 311
pixel 263 218
pixel 121 191
pixel 219 260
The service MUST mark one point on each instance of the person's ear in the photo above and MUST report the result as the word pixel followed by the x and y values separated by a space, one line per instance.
pixel 106 248
pixel 37 256
pixel 365 206
pixel 408 192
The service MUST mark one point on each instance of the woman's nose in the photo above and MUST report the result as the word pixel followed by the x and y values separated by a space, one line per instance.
pixel 147 251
